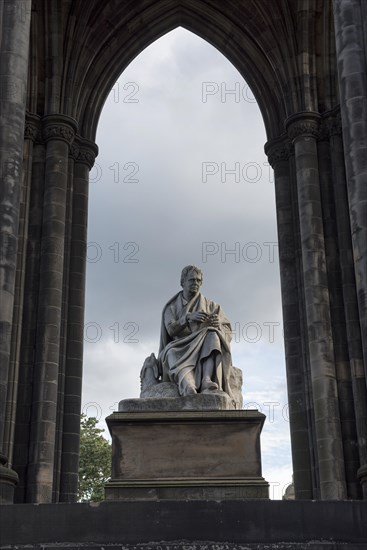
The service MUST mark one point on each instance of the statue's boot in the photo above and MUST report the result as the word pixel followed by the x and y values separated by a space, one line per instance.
pixel 208 385
pixel 188 385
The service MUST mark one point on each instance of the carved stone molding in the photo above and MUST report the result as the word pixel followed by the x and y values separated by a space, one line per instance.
pixel 278 150
pixel 84 151
pixel 32 128
pixel 304 124
pixel 334 124
pixel 60 127
pixel 330 124
pixel 74 151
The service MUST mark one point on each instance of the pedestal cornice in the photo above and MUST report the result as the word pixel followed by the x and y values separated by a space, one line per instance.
pixel 248 415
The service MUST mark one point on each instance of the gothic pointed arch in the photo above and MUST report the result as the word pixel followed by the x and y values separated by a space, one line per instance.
pixel 305 61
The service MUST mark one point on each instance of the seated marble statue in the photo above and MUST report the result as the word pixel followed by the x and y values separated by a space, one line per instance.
pixel 195 340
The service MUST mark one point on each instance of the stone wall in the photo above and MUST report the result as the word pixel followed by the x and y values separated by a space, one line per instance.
pixel 199 525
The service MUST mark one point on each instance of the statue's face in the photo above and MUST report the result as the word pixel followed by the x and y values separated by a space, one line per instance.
pixel 192 283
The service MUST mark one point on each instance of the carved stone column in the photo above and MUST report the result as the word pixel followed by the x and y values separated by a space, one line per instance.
pixel 350 17
pixel 58 133
pixel 331 224
pixel 279 152
pixel 353 328
pixel 14 49
pixel 83 153
pixel 31 135
pixel 303 131
pixel 30 308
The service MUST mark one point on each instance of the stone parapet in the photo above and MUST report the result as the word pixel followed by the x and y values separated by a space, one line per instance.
pixel 186 525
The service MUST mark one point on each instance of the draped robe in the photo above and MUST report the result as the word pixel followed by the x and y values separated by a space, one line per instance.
pixel 185 345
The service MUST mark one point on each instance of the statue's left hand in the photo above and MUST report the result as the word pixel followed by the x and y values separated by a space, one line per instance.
pixel 214 320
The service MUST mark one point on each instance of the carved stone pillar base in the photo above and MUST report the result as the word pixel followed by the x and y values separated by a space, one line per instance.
pixel 8 481
pixel 186 455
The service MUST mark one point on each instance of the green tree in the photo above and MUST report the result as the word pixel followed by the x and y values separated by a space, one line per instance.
pixel 95 461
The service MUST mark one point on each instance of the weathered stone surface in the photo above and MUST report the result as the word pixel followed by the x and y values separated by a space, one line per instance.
pixel 200 402
pixel 161 390
pixel 350 28
pixel 165 396
pixel 303 130
pixel 212 455
pixel 227 525
pixel 14 53
pixel 210 545
pixel 8 481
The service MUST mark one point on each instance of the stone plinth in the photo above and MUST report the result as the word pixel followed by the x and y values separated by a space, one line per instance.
pixel 186 455
pixel 213 401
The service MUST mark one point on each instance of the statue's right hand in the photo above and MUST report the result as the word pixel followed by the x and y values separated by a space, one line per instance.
pixel 199 316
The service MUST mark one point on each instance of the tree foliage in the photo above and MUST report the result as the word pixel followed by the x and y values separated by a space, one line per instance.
pixel 95 461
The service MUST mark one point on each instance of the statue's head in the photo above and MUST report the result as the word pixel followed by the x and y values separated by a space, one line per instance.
pixel 188 269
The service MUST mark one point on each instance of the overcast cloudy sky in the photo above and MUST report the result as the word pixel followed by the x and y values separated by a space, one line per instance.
pixel 182 178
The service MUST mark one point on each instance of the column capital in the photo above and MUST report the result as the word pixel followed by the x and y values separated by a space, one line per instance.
pixel 60 127
pixel 278 149
pixel 303 124
pixel 84 151
pixel 32 128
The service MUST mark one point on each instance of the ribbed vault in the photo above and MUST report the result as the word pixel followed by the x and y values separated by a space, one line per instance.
pixel 99 40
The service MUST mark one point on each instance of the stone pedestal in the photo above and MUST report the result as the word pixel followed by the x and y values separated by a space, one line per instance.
pixel 186 455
